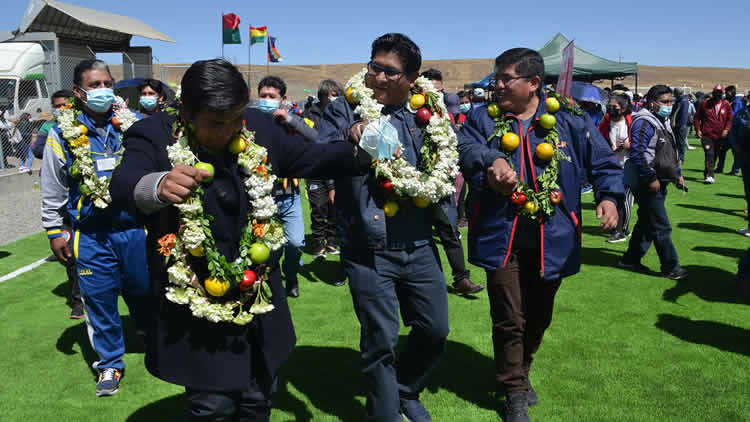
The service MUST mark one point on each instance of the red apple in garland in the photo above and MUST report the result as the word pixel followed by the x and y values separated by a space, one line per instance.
pixel 386 186
pixel 424 115
pixel 518 198
pixel 555 197
pixel 248 280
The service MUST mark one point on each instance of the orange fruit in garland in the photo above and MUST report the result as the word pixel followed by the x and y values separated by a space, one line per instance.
pixel 510 141
pixel 216 287
pixel 531 207
pixel 350 97
pixel 84 130
pixel 116 122
pixel 421 202
pixel 390 208
pixel 416 101
pixel 198 252
pixel 237 145
pixel 493 110
pixel 545 151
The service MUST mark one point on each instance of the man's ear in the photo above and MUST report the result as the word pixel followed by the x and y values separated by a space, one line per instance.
pixel 412 78
pixel 79 93
pixel 535 82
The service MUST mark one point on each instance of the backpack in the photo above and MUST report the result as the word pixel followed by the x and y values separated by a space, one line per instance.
pixel 666 160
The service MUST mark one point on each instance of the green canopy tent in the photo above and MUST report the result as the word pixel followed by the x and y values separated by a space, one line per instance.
pixel 587 67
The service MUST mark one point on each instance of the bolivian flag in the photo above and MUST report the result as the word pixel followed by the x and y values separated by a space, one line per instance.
pixel 257 35
pixel 230 25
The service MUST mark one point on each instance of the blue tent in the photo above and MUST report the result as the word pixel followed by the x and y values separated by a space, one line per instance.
pixel 484 83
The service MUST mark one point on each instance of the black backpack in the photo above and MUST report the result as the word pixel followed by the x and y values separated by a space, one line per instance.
pixel 666 160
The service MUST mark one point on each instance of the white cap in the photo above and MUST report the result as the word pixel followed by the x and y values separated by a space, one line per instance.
pixel 479 92
pixel 629 94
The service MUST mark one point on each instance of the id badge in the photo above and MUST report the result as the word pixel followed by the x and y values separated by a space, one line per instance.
pixel 105 164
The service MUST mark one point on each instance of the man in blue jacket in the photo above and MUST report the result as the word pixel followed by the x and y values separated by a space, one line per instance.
pixel 679 120
pixel 391 263
pixel 527 249
pixel 739 137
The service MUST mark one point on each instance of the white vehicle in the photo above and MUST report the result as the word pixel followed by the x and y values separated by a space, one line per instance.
pixel 23 86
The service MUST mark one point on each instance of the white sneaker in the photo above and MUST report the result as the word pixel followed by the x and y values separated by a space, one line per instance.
pixel 745 232
pixel 708 180
pixel 690 147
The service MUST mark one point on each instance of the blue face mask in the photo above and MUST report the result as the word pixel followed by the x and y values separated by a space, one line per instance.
pixel 664 111
pixel 100 100
pixel 464 107
pixel 268 106
pixel 148 103
pixel 332 99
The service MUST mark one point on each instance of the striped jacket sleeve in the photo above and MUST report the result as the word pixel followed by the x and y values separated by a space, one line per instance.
pixel 54 185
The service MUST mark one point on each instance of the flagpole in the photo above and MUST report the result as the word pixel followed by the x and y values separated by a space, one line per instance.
pixel 221 39
pixel 268 56
pixel 250 61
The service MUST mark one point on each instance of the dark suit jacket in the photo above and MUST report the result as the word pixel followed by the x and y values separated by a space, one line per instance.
pixel 194 352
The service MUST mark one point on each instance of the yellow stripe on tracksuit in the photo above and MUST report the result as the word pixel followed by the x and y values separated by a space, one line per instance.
pixel 57 231
pixel 76 236
pixel 55 147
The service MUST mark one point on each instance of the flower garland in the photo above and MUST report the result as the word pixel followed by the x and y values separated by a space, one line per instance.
pixel 194 240
pixel 83 166
pixel 540 200
pixel 434 176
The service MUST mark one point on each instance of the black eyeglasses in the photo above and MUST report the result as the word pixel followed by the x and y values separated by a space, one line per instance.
pixel 374 69
pixel 505 79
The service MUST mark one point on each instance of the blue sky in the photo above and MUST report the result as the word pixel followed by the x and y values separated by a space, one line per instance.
pixel 674 33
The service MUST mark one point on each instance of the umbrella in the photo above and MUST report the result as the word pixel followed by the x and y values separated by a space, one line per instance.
pixel 584 91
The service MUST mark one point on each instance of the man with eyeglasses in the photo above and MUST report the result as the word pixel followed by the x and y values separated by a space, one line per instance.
pixel 391 263
pixel 525 259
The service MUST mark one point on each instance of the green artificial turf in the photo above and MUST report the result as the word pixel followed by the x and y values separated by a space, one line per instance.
pixel 622 346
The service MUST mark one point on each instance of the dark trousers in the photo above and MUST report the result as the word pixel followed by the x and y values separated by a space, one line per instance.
pixel 721 155
pixel 623 212
pixel 322 214
pixel 461 202
pixel 454 250
pixel 253 405
pixel 521 305
pixel 381 284
pixel 709 149
pixel 746 181
pixel 681 134
pixel 652 226
pixel 71 268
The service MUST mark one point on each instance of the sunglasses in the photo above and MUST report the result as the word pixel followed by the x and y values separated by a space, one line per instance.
pixel 374 69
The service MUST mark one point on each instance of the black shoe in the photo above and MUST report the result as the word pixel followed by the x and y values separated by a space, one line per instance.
pixel 467 286
pixel 678 273
pixel 332 249
pixel 617 237
pixel 292 289
pixel 637 267
pixel 77 312
pixel 531 397
pixel 516 407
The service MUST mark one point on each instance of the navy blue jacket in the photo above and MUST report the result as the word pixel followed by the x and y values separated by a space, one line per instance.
pixel 493 222
pixel 360 216
pixel 681 116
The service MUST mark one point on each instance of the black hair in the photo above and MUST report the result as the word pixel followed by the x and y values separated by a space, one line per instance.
pixel 463 94
pixel 328 86
pixel 730 91
pixel 63 93
pixel 655 92
pixel 432 74
pixel 528 62
pixel 403 47
pixel 85 66
pixel 212 84
pixel 154 84
pixel 624 102
pixel 273 82
pixel 620 87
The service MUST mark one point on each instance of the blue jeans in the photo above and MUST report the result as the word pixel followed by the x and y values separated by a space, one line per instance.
pixel 682 142
pixel 652 226
pixel 380 283
pixel 290 213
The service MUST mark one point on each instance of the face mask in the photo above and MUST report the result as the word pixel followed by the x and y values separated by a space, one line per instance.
pixel 464 107
pixel 613 112
pixel 268 106
pixel 149 103
pixel 100 100
pixel 332 99
pixel 664 111
pixel 716 96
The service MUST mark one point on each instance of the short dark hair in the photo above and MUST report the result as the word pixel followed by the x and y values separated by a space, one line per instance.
pixel 620 87
pixel 655 92
pixel 432 74
pixel 403 47
pixel 213 84
pixel 730 91
pixel 328 86
pixel 154 84
pixel 63 93
pixel 623 101
pixel 463 94
pixel 527 61
pixel 273 82
pixel 85 66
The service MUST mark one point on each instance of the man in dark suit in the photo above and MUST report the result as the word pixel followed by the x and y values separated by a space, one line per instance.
pixel 229 371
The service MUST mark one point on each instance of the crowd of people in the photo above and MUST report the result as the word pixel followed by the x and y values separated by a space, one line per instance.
pixel 119 187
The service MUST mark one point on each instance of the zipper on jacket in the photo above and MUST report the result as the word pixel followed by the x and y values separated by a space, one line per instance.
pixel 515 220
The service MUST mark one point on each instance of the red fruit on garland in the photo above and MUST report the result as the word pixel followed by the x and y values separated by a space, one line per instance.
pixel 518 198
pixel 555 197
pixel 424 115
pixel 387 186
pixel 248 280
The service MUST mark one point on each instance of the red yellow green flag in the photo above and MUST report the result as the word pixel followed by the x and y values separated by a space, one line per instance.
pixel 257 35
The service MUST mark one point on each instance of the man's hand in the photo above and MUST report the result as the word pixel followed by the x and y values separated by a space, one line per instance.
pixel 606 211
pixel 724 133
pixel 179 183
pixel 60 248
pixel 281 115
pixel 699 134
pixel 355 132
pixel 654 186
pixel 501 177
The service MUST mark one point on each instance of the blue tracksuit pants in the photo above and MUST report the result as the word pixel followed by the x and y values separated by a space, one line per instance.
pixel 109 263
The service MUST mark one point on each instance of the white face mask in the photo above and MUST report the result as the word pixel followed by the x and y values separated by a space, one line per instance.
pixel 332 99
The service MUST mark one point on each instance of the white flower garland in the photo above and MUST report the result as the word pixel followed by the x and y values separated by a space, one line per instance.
pixel 407 179
pixel 183 281
pixel 80 146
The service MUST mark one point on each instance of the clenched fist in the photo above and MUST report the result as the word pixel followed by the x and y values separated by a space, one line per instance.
pixel 501 177
pixel 179 183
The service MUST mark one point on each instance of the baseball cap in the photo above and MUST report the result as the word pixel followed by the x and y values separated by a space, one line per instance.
pixel 451 103
pixel 718 88
pixel 478 92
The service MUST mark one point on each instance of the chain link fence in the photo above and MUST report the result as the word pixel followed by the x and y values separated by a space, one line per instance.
pixel 24 108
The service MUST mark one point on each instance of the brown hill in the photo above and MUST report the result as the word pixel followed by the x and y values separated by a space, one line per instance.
pixel 458 72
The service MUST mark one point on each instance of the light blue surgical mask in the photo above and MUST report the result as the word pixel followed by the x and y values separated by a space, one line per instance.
pixel 268 106
pixel 334 99
pixel 464 107
pixel 100 100
pixel 664 111
pixel 148 103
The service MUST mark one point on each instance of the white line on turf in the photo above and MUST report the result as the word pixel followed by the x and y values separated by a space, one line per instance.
pixel 22 270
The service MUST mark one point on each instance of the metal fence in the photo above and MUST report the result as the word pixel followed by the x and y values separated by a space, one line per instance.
pixel 24 110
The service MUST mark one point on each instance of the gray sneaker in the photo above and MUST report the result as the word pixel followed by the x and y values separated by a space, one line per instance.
pixel 109 382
